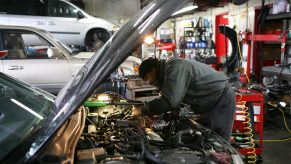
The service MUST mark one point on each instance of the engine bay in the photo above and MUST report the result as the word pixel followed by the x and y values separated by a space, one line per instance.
pixel 112 134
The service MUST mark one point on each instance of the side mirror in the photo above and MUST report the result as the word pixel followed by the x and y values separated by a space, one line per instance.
pixel 80 15
pixel 53 52
pixel 74 49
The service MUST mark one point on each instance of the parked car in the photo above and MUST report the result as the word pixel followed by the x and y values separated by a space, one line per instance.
pixel 79 126
pixel 62 19
pixel 34 56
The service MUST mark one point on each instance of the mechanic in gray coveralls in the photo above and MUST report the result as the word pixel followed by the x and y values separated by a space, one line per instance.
pixel 197 84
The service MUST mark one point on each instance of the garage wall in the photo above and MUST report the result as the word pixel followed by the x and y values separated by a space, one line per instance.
pixel 116 11
pixel 241 16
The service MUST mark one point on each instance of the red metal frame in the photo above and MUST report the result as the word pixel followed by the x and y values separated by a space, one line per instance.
pixel 221 45
pixel 267 37
pixel 248 38
pixel 253 96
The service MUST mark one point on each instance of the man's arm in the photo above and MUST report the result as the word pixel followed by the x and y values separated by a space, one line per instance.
pixel 177 78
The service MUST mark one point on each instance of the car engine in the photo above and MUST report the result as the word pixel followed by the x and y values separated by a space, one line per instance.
pixel 113 135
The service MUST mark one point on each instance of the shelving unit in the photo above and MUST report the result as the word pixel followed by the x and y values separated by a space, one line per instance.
pixel 279 16
pixel 194 39
pixel 271 43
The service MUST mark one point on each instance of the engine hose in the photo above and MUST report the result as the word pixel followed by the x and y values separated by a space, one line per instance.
pixel 152 158
pixel 181 133
pixel 251 153
pixel 198 137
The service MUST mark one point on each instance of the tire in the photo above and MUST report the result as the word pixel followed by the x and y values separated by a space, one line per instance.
pixel 96 39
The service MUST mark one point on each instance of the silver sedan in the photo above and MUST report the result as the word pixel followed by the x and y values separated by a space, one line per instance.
pixel 34 56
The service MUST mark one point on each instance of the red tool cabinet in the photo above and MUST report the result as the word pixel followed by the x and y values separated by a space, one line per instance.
pixel 256 99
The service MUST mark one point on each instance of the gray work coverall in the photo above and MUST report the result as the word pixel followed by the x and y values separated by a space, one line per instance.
pixel 199 85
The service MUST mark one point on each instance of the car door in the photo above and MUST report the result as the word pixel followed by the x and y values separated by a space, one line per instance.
pixel 26 13
pixel 32 59
pixel 64 24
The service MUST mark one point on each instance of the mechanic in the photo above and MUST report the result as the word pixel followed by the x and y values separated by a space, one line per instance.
pixel 197 84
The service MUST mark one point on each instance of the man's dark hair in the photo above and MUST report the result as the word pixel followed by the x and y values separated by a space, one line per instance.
pixel 147 65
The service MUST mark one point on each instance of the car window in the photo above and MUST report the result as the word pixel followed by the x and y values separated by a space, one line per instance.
pixel 61 9
pixel 27 45
pixel 22 111
pixel 27 7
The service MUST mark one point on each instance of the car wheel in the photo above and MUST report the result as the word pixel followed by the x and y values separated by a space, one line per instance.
pixel 96 39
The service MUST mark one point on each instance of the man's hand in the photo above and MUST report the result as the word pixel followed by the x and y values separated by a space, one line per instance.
pixel 196 118
pixel 136 111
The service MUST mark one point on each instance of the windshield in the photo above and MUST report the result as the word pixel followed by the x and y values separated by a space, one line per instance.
pixel 23 109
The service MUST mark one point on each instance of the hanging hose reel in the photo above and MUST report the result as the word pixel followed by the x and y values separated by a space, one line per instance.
pixel 231 62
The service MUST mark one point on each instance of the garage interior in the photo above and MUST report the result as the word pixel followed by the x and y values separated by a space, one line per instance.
pixel 249 41
pixel 245 19
pixel 258 52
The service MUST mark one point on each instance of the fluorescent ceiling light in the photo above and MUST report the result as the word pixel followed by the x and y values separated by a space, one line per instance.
pixel 27 109
pixel 185 9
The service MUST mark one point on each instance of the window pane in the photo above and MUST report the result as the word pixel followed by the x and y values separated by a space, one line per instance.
pixel 15 45
pixel 61 9
pixel 40 7
pixel 28 45
pixel 36 46
pixel 27 7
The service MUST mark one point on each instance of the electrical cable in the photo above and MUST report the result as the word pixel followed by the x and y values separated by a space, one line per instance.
pixel 240 54
pixel 284 118
pixel 283 115
pixel 240 97
pixel 286 125
pixel 276 140
pixel 251 151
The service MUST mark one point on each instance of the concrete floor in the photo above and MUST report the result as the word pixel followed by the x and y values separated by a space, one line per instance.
pixel 274 128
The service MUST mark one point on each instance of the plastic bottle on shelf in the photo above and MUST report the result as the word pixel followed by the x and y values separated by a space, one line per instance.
pixel 200 44
pixel 197 44
pixel 204 45
pixel 191 44
pixel 288 8
pixel 289 34
pixel 206 23
pixel 275 8
pixel 282 6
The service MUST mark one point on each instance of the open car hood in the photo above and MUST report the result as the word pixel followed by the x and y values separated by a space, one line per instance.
pixel 103 63
pixel 111 55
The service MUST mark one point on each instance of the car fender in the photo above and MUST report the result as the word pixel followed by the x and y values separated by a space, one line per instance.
pixel 97 23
